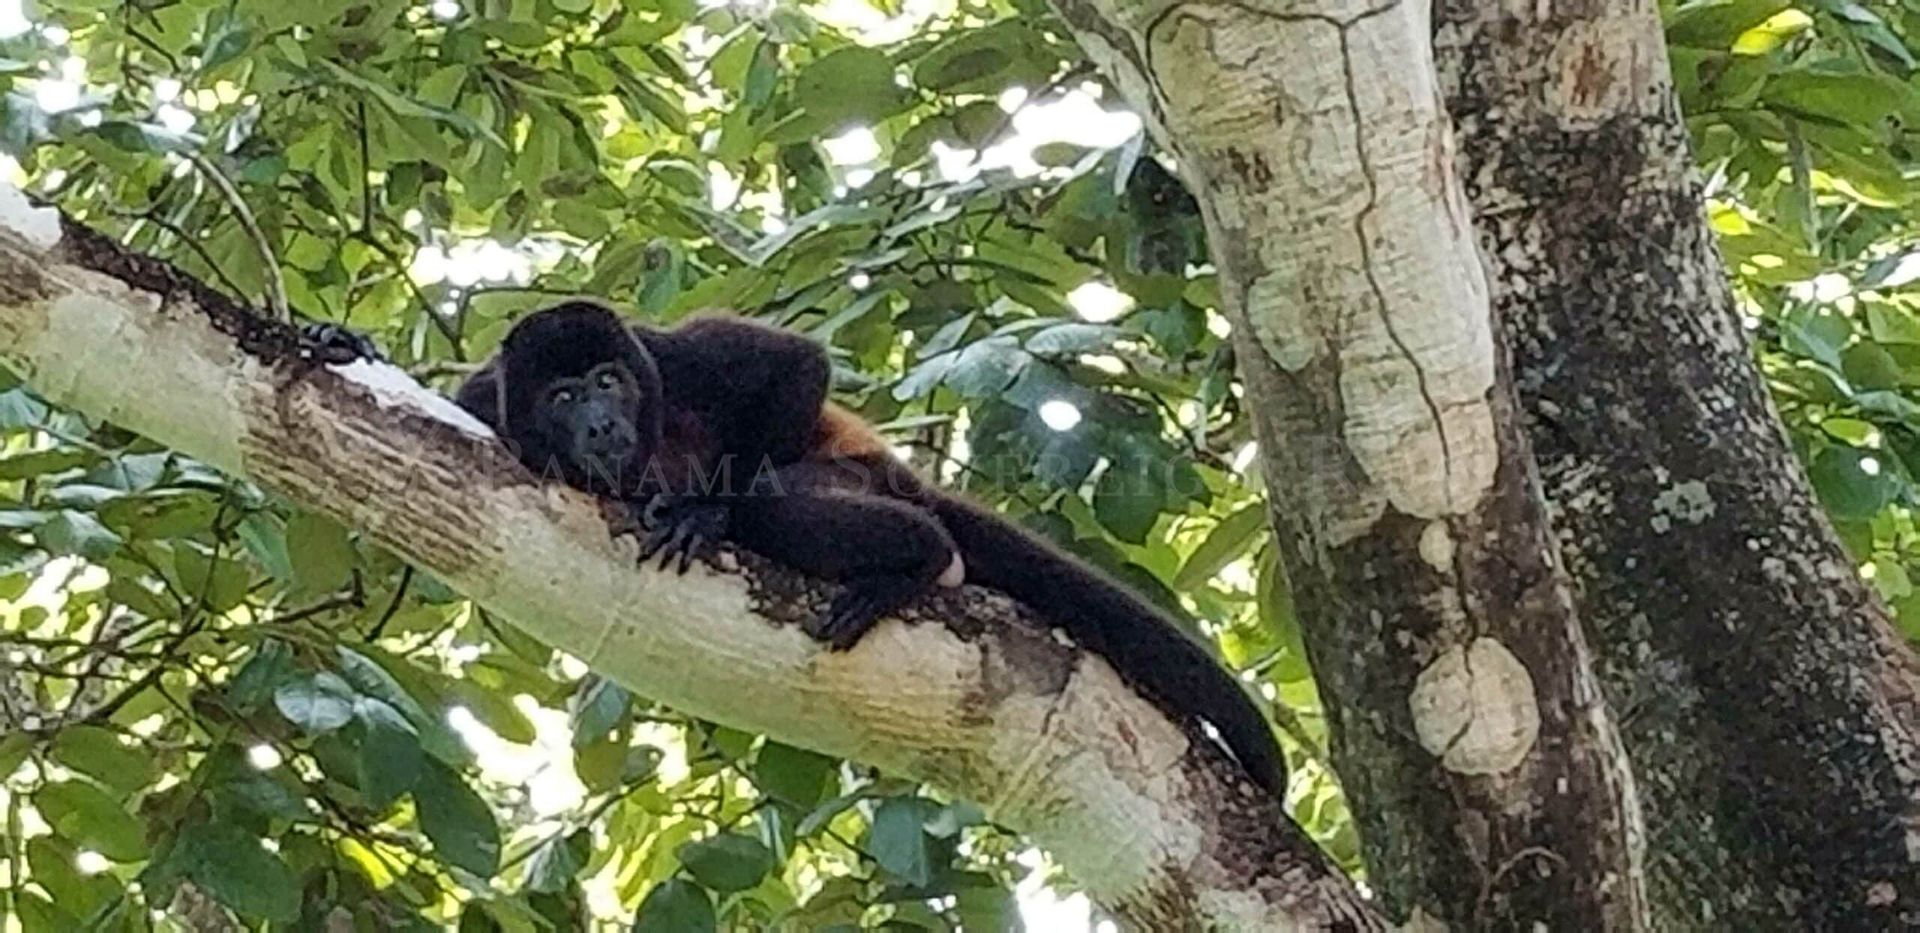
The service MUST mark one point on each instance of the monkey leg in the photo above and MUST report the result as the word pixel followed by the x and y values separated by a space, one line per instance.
pixel 884 552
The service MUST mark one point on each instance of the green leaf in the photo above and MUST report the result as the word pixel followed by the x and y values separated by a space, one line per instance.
pixel 457 821
pixel 983 61
pixel 19 409
pixel 238 788
pixel 38 913
pixel 270 665
pixel 1128 500
pixel 267 542
pixel 825 813
pixel 50 861
pixel 676 906
pixel 230 864
pixel 222 583
pixel 793 775
pixel 985 368
pixel 1870 366
pixel 727 862
pixel 851 84
pixel 1073 338
pixel 14 750
pixel 602 708
pixel 1714 24
pixel 401 106
pixel 1226 541
pixel 320 703
pixel 79 534
pixel 92 819
pixel 1854 484
pixel 17 560
pixel 321 553
pixel 390 754
pixel 229 43
pixel 370 677
pixel 495 711
pixel 1817 337
pixel 99 754
pixel 1889 324
pixel 558 861
pixel 898 838
pixel 42 462
pixel 1855 98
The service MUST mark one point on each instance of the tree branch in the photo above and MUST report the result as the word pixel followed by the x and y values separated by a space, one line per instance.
pixel 1154 822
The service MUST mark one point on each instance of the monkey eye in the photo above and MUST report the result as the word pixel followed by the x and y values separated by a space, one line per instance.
pixel 562 396
pixel 607 379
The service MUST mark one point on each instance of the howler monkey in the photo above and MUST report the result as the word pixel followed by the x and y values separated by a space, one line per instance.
pixel 721 427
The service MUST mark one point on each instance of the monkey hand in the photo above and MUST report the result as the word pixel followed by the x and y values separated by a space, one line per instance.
pixel 334 345
pixel 679 526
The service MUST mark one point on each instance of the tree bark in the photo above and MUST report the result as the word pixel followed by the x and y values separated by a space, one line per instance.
pixel 1472 740
pixel 1771 707
pixel 1155 823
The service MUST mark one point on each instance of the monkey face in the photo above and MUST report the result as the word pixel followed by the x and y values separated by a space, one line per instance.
pixel 579 392
pixel 589 420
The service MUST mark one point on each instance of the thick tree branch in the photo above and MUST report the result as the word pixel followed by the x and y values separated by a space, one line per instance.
pixel 1775 725
pixel 1154 824
pixel 1484 770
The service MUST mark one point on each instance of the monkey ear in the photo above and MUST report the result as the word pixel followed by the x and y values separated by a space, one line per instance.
pixel 500 392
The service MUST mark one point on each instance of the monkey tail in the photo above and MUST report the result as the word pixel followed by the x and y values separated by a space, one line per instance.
pixel 1148 649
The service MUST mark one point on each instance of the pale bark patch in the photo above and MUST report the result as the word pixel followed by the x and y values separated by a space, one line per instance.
pixel 1436 547
pixel 1474 707
pixel 391 385
pixel 1377 274
pixel 39 226
pixel 1687 502
pixel 1606 66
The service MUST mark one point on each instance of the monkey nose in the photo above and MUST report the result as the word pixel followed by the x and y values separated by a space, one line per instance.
pixel 611 440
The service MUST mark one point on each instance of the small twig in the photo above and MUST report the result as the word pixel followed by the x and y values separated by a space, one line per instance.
pixel 192 242
pixel 105 711
pixel 399 593
pixel 366 174
pixel 447 328
pixel 438 368
pixel 467 296
pixel 276 286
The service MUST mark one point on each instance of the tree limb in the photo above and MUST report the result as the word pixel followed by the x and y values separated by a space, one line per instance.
pixel 1154 823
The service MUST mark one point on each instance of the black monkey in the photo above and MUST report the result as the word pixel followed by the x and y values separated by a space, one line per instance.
pixel 722 427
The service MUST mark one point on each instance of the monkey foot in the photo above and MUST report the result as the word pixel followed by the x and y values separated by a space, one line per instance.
pixel 335 345
pixel 859 607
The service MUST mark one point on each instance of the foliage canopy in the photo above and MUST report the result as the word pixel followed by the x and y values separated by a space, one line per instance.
pixel 201 683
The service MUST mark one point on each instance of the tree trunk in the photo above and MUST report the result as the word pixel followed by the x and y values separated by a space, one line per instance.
pixel 1479 758
pixel 1770 707
pixel 1154 822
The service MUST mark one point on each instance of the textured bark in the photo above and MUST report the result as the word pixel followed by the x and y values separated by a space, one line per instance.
pixel 1154 822
pixel 1472 740
pixel 1770 707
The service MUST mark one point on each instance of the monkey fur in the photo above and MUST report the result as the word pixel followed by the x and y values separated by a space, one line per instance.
pixel 721 428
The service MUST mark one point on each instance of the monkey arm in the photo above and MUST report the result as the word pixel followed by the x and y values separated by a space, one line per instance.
pixel 821 517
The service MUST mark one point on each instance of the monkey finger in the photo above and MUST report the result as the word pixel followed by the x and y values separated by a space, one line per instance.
pixel 650 513
pixel 694 543
pixel 657 539
pixel 848 618
pixel 676 539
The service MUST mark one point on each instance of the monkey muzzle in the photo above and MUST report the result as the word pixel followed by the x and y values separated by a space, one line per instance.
pixel 604 442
